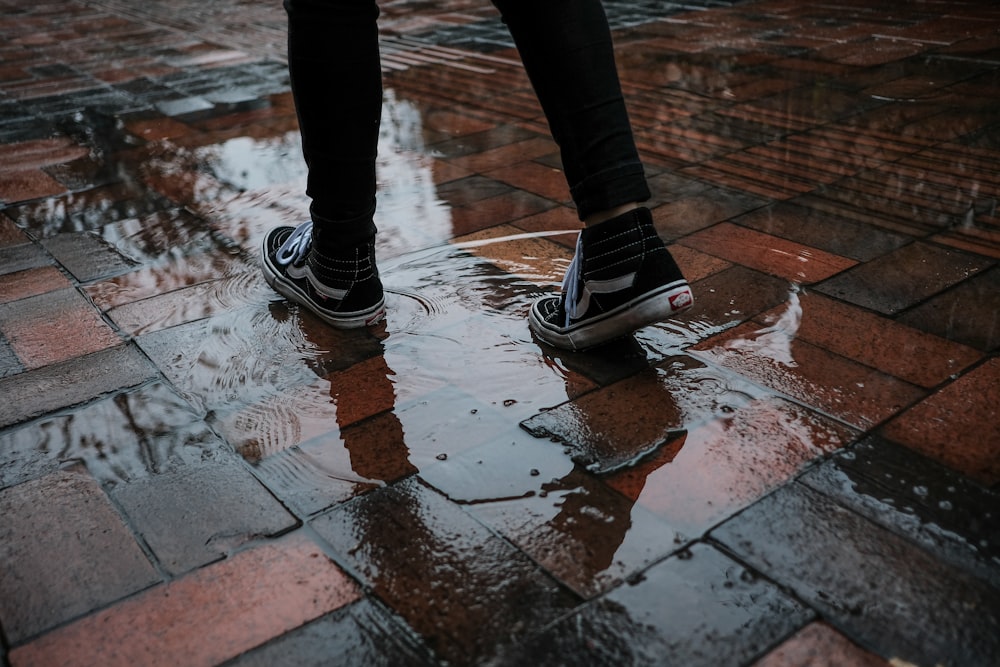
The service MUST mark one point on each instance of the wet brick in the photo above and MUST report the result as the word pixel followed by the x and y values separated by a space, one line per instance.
pixel 122 438
pixel 466 591
pixel 946 513
pixel 959 425
pixel 601 435
pixel 10 235
pixel 817 229
pixel 968 314
pixel 88 210
pixel 230 607
pixel 497 210
pixel 732 296
pixel 903 278
pixel 31 282
pixel 200 512
pixel 700 608
pixel 179 306
pixel 719 467
pixel 852 572
pixel 770 254
pixel 53 327
pixel 65 551
pixel 19 186
pixel 534 178
pixel 700 210
pixel 33 155
pixel 22 257
pixel 586 534
pixel 857 394
pixel 877 341
pixel 87 256
pixel 9 363
pixel 374 450
pixel 36 392
pixel 359 634
pixel 819 645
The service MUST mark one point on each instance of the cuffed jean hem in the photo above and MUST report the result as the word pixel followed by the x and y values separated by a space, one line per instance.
pixel 622 184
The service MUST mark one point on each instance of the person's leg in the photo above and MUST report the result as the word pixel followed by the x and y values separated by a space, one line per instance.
pixel 622 276
pixel 328 263
pixel 568 54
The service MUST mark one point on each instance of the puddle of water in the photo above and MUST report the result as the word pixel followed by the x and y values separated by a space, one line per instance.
pixel 774 342
pixel 120 439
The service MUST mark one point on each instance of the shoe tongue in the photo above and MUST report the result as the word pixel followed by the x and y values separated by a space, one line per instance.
pixel 572 284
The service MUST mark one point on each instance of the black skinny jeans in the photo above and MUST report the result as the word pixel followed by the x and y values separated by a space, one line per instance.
pixel 566 49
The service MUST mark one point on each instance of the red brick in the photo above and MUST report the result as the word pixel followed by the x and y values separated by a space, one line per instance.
pixel 156 129
pixel 535 178
pixel 959 425
pixel 23 284
pixel 31 155
pixel 879 342
pixel 724 464
pixel 819 645
pixel 207 617
pixel 835 385
pixel 770 254
pixel 10 234
pixel 54 327
pixel 18 186
pixel 505 155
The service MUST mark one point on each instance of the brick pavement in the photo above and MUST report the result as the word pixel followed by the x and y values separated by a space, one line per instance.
pixel 803 470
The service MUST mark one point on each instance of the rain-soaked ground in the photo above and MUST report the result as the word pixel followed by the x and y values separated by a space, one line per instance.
pixel 802 470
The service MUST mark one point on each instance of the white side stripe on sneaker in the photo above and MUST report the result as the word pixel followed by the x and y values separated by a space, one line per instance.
pixel 597 287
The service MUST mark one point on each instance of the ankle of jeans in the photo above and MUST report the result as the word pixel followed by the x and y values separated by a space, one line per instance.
pixel 330 236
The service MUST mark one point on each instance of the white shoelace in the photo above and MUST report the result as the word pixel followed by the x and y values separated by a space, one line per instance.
pixel 295 247
pixel 571 283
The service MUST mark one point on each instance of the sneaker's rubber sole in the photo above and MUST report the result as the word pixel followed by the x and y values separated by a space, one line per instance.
pixel 338 320
pixel 652 307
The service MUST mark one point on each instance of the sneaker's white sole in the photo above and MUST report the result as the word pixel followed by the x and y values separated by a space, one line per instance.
pixel 650 308
pixel 288 289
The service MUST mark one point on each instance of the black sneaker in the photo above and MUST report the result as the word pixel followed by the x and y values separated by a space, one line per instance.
pixel 621 279
pixel 344 290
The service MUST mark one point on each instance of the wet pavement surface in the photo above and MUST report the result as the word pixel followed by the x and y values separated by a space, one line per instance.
pixel 802 470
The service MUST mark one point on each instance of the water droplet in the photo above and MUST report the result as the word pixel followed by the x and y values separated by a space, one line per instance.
pixel 535 472
pixel 509 402
pixel 442 457
pixel 920 490
pixel 945 505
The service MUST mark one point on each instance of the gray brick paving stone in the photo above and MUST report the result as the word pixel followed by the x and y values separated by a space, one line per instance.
pixel 88 210
pixel 9 363
pixel 87 256
pixel 942 511
pixel 467 591
pixel 22 257
pixel 882 591
pixel 65 552
pixel 697 609
pixel 360 634
pixel 120 439
pixel 198 513
pixel 43 390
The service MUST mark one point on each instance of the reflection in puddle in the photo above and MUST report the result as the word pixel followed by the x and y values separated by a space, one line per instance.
pixel 121 439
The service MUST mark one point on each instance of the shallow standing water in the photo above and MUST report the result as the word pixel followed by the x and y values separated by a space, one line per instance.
pixel 443 488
